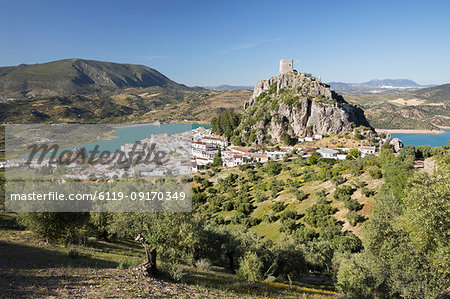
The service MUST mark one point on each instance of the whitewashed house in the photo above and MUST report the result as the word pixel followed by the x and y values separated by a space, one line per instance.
pixel 223 143
pixel 259 157
pixel 276 155
pixel 318 136
pixel 328 153
pixel 204 146
pixel 367 150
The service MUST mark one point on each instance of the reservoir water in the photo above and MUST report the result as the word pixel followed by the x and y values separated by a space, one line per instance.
pixel 424 139
pixel 134 132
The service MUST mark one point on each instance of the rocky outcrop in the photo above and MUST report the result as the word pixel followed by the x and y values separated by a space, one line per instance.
pixel 297 105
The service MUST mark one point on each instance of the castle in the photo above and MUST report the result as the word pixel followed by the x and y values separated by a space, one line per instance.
pixel 286 66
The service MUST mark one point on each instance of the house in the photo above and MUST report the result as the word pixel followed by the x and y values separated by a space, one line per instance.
pixel 276 155
pixel 328 153
pixel 341 156
pixel 367 150
pixel 204 146
pixel 203 161
pixel 259 157
pixel 309 138
pixel 318 136
pixel 223 143
pixel 344 149
pixel 242 149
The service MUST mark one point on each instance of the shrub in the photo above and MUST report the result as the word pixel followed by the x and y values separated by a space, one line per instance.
pixel 203 264
pixel 288 226
pixel 269 218
pixel 228 206
pixel 354 218
pixel 343 193
pixel 352 205
pixel 260 197
pixel 367 192
pixel 318 215
pixel 288 215
pixel 278 207
pixel 375 173
pixel 300 195
pixel 250 267
pixel 273 168
pixel 338 180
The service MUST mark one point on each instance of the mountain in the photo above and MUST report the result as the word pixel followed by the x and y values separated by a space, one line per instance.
pixel 436 94
pixel 384 84
pixel 423 108
pixel 225 87
pixel 77 76
pixel 294 105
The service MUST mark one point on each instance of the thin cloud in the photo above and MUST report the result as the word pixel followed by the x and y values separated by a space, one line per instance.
pixel 249 45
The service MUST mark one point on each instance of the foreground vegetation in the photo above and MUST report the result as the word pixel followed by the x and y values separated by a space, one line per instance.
pixel 366 227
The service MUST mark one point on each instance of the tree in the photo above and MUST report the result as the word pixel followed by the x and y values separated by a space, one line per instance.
pixel 51 226
pixel 225 123
pixel 250 267
pixel 287 139
pixel 173 237
pixel 218 159
pixel 314 158
pixel 273 168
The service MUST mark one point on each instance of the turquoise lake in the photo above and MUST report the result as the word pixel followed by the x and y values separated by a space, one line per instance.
pixel 424 139
pixel 135 132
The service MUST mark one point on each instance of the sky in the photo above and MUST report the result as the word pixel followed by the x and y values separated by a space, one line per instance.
pixel 237 42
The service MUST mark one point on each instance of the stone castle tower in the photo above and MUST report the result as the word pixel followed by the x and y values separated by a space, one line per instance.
pixel 286 66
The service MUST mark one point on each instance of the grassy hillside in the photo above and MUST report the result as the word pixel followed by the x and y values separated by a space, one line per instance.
pixel 421 109
pixel 129 105
pixel 77 76
pixel 33 269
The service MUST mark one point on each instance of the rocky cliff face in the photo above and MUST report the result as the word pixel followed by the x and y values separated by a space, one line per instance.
pixel 295 105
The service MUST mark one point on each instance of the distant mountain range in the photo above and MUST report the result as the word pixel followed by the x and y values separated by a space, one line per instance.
pixel 378 84
pixel 225 87
pixel 77 76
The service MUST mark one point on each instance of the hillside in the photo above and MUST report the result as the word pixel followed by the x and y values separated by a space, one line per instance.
pixel 294 105
pixel 225 87
pixel 377 85
pixel 425 108
pixel 129 105
pixel 77 76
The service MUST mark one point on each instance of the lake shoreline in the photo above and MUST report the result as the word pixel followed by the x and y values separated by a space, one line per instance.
pixel 406 131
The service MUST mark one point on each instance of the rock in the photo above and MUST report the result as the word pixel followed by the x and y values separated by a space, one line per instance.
pixel 296 104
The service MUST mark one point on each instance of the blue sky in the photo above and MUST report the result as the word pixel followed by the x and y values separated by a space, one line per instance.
pixel 237 42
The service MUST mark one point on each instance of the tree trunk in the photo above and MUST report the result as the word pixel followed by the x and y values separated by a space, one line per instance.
pixel 149 266
pixel 230 255
pixel 150 260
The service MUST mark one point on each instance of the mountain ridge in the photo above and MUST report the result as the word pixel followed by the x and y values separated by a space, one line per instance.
pixel 77 76
pixel 401 84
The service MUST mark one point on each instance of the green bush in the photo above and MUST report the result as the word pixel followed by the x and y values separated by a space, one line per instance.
pixel 354 218
pixel 203 264
pixel 352 205
pixel 278 207
pixel 250 267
